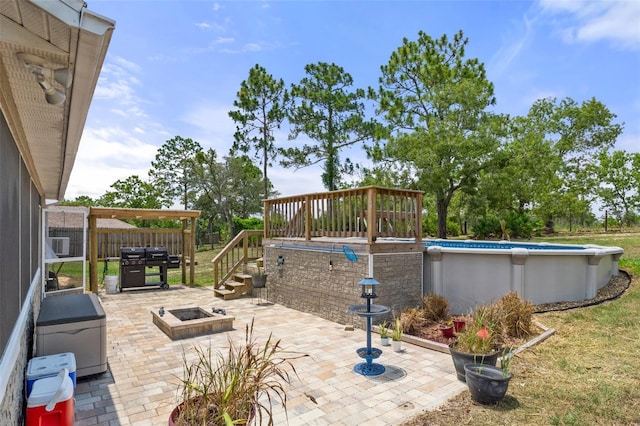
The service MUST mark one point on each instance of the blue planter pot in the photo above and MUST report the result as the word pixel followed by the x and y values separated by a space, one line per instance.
pixel 487 384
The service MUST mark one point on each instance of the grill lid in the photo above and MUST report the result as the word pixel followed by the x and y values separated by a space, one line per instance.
pixel 132 253
pixel 155 253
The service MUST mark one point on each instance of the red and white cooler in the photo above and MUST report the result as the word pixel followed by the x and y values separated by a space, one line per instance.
pixel 51 401
pixel 49 366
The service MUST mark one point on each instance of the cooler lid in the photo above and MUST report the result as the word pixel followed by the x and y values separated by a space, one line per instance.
pixel 49 365
pixel 69 308
pixel 51 390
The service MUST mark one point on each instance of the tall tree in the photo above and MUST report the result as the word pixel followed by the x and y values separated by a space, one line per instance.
pixel 228 188
pixel 260 111
pixel 172 169
pixel 546 164
pixel 328 111
pixel 80 200
pixel 619 174
pixel 436 102
pixel 134 193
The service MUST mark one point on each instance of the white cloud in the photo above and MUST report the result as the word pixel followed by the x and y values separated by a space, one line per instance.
pixel 512 46
pixel 590 21
pixel 105 156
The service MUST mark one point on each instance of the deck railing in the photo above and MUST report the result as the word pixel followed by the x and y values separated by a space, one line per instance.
pixel 370 212
pixel 245 246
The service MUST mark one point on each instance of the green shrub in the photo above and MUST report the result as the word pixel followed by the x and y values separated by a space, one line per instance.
pixel 520 225
pixel 486 228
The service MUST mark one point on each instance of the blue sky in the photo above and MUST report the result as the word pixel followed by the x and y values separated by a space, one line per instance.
pixel 173 67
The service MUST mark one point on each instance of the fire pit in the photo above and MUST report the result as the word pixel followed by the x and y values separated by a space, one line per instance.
pixel 182 323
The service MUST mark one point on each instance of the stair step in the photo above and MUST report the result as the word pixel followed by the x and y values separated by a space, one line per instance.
pixel 226 294
pixel 243 278
pixel 234 284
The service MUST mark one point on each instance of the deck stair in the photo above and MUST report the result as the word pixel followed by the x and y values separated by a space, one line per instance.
pixel 232 268
pixel 241 284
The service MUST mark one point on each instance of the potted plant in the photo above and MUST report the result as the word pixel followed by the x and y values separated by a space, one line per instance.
pixel 447 329
pixel 383 328
pixel 488 384
pixel 259 278
pixel 458 324
pixel 396 336
pixel 235 388
pixel 474 344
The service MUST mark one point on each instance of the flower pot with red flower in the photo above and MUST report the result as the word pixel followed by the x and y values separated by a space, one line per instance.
pixel 474 345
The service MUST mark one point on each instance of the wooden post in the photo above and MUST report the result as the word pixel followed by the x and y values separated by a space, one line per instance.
pixel 418 217
pixel 266 219
pixel 245 247
pixel 184 251
pixel 192 244
pixel 307 217
pixel 372 223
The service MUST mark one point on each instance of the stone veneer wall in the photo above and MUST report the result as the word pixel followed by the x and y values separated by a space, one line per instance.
pixel 13 406
pixel 304 282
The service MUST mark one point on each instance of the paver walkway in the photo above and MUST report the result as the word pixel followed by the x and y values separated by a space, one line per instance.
pixel 140 386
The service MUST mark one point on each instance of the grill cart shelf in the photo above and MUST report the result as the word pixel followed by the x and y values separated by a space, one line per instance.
pixel 135 263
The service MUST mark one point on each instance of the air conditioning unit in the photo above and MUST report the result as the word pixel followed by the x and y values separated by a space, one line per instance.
pixel 59 245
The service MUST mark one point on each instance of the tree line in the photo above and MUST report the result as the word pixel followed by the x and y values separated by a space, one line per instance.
pixel 432 124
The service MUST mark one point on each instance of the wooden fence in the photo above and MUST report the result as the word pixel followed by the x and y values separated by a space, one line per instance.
pixel 110 241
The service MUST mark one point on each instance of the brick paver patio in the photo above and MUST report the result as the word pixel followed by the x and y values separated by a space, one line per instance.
pixel 140 386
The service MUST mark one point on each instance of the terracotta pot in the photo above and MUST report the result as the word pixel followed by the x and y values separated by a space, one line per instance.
pixel 174 414
pixel 446 330
pixel 458 324
pixel 461 358
pixel 487 384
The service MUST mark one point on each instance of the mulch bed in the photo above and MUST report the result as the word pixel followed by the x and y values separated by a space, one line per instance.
pixel 614 289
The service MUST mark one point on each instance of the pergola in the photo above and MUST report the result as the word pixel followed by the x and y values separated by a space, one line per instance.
pixel 188 229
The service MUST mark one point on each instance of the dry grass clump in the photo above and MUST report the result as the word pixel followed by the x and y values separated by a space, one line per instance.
pixel 516 315
pixel 412 320
pixel 435 308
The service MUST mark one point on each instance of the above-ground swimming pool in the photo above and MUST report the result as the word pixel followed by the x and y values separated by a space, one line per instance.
pixel 472 273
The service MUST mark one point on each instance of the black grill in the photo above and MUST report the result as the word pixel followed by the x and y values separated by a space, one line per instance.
pixel 134 262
